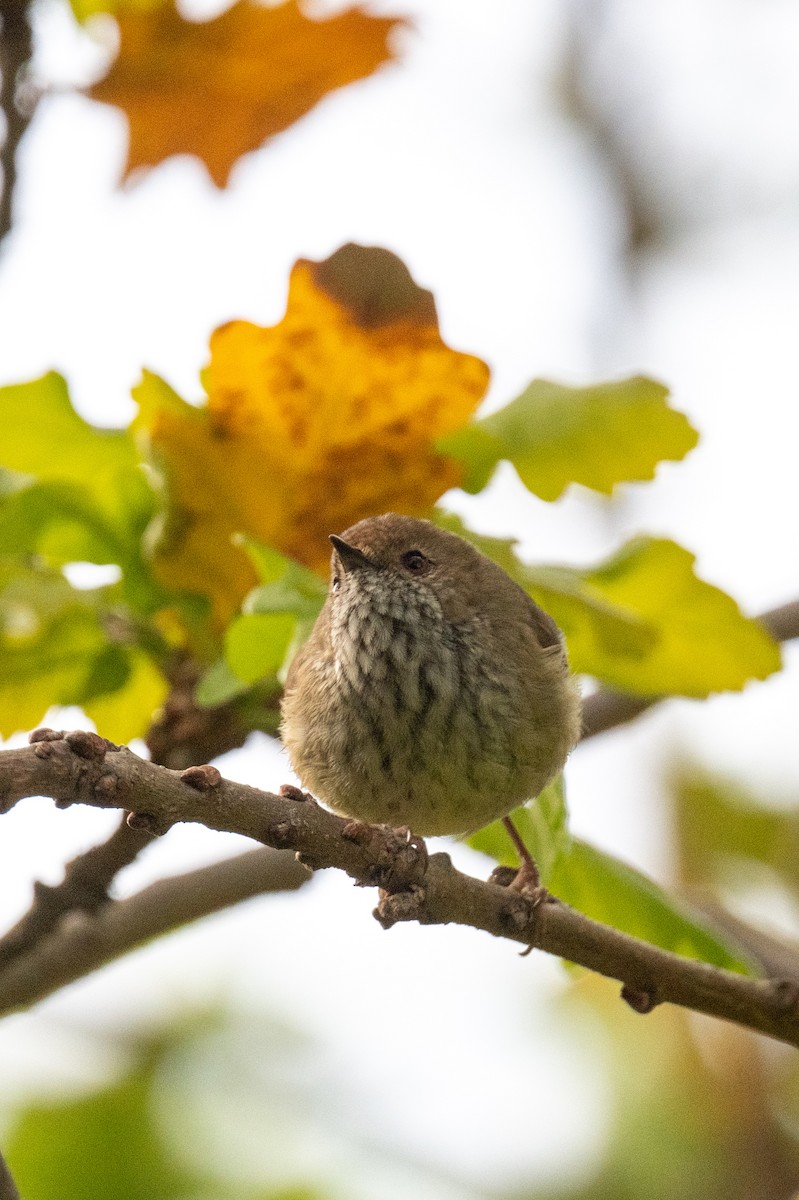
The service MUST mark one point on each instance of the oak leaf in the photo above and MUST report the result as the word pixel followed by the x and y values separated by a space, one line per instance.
pixel 556 435
pixel 310 425
pixel 685 636
pixel 219 88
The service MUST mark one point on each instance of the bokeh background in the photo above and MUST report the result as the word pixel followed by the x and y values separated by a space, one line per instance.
pixel 590 189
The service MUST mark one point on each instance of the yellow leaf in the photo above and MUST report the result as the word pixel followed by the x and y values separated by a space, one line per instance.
pixel 219 88
pixel 310 424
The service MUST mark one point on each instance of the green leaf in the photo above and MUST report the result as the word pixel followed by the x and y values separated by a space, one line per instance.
pixel 276 619
pixel 50 639
pixel 286 586
pixel 683 636
pixel 277 616
pixel 44 436
pixel 61 522
pixel 478 452
pixel 107 672
pixel 595 629
pixel 55 650
pixel 256 644
pixel 79 494
pixel 611 891
pixel 604 887
pixel 555 435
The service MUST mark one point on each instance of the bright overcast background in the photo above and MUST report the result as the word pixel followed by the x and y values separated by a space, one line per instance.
pixel 590 190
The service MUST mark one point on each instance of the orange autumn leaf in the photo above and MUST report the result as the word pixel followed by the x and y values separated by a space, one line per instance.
pixel 310 424
pixel 219 88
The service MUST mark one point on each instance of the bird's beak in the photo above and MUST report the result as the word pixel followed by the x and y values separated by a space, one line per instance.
pixel 352 559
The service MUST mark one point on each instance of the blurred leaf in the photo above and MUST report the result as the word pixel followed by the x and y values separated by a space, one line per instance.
pixel 310 425
pixel 688 1109
pixel 50 641
pixel 601 886
pixel 88 500
pixel 220 88
pixel 284 596
pixel 108 672
pixel 556 435
pixel 277 617
pixel 478 452
pixel 61 522
pixel 256 645
pixel 720 825
pixel 84 9
pixel 44 436
pixel 126 711
pixel 642 621
pixel 55 649
pixel 104 1145
pixel 286 586
pixel 194 483
pixel 218 685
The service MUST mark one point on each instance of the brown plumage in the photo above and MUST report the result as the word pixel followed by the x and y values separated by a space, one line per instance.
pixel 432 692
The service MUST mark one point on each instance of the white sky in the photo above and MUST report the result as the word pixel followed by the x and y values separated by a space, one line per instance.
pixel 458 160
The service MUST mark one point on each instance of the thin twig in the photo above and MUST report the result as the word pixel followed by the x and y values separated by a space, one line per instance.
pixel 8 1189
pixel 84 768
pixel 86 942
pixel 607 709
pixel 773 955
pixel 783 622
pixel 84 887
pixel 16 48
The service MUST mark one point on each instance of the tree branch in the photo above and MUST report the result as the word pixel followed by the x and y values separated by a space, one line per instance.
pixel 16 48
pixel 607 709
pixel 86 942
pixel 84 768
pixel 176 740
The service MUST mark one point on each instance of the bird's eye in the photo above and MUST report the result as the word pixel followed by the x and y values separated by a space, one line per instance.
pixel 415 562
pixel 336 582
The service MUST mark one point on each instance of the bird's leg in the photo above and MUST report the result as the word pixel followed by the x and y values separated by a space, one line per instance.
pixel 528 879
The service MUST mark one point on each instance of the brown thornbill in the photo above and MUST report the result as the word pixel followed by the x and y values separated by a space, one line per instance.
pixel 432 692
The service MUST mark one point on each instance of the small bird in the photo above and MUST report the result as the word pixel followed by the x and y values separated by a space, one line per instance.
pixel 432 692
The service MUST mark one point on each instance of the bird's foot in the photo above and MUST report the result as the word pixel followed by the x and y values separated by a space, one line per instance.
pixel 401 856
pixel 527 879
